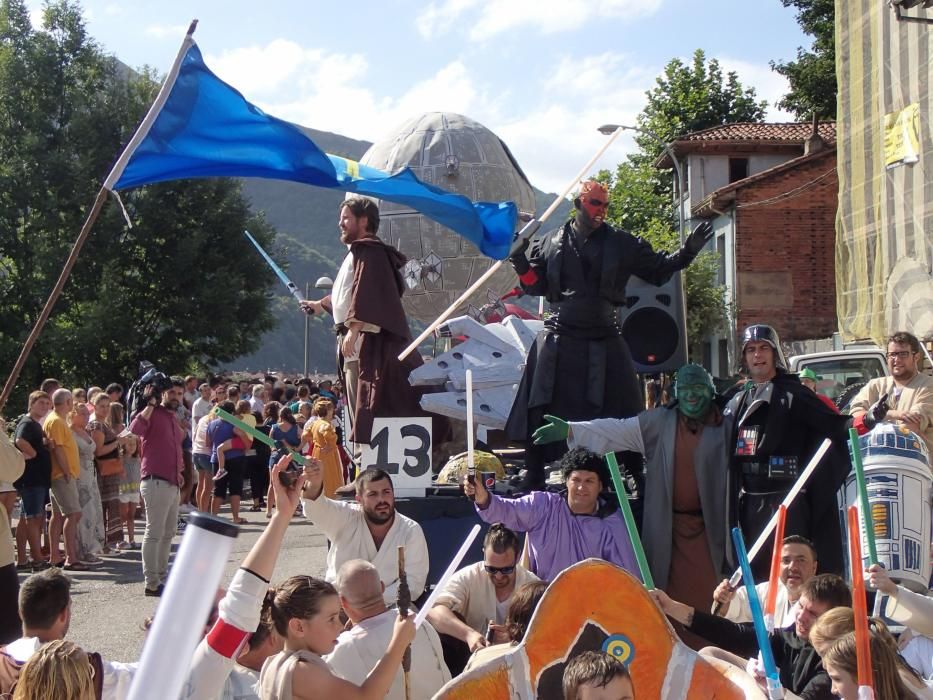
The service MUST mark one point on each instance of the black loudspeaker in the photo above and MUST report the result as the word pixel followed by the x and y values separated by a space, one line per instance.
pixel 654 325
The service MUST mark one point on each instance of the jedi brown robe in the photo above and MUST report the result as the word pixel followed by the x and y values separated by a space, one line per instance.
pixel 376 299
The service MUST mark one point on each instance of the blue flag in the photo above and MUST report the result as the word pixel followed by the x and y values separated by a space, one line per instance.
pixel 201 127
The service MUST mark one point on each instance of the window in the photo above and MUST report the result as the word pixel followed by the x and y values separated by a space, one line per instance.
pixel 738 169
pixel 721 253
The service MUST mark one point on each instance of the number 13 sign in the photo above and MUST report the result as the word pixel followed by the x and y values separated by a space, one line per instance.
pixel 401 447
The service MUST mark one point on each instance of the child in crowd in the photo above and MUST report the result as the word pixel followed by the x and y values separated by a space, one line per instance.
pixel 306 613
pixel 595 675
pixel 286 435
pixel 59 670
pixel 842 666
pixel 129 485
pixel 245 413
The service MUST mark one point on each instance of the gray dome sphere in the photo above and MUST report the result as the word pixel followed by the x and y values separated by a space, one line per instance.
pixel 458 154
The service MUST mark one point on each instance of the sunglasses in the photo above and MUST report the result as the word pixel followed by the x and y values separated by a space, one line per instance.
pixel 503 570
pixel 597 203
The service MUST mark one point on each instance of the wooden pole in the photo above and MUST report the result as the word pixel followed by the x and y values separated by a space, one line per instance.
pixel 53 297
pixel 404 603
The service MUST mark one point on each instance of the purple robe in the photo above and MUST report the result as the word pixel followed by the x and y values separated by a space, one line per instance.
pixel 557 538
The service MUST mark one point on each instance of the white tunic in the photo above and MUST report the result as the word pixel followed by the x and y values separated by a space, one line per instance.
pixel 785 612
pixel 345 526
pixel 471 593
pixel 360 648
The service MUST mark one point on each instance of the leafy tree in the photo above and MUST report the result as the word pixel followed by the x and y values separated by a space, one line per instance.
pixel 812 76
pixel 178 288
pixel 689 98
pixel 686 98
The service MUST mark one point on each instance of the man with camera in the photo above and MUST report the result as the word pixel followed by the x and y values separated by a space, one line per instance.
pixel 162 467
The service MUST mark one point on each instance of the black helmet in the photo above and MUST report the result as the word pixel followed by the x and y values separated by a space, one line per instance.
pixel 767 334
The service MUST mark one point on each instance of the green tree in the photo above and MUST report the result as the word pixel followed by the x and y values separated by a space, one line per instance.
pixel 812 76
pixel 685 98
pixel 180 288
pixel 689 98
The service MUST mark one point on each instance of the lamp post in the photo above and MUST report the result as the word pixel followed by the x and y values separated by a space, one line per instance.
pixel 612 128
pixel 322 283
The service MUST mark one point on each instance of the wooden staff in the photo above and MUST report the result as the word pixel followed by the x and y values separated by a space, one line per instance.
pixel 404 603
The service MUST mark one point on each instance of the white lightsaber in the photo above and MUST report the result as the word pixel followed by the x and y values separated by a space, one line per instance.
pixel 533 224
pixel 471 466
pixel 788 499
pixel 455 562
pixel 183 609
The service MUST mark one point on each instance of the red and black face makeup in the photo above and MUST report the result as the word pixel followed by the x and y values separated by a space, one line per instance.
pixel 594 201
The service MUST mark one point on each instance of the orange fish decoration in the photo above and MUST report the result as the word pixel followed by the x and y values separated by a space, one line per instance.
pixel 595 605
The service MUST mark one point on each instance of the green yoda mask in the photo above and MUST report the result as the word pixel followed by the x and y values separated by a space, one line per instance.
pixel 694 390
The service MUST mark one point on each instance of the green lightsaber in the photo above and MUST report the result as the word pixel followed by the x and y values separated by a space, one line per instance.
pixel 856 454
pixel 629 520
pixel 257 435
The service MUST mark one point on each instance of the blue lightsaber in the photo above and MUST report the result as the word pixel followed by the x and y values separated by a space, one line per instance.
pixel 775 690
pixel 280 273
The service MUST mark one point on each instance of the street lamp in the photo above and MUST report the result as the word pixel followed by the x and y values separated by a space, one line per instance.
pixel 609 129
pixel 322 283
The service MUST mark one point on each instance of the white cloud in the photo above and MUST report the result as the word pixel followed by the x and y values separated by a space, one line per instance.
pixel 769 85
pixel 553 137
pixel 493 17
pixel 167 31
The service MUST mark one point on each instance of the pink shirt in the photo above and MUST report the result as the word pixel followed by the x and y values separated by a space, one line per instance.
pixel 161 437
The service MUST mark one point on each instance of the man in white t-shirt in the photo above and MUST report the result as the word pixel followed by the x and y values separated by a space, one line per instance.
pixel 798 565
pixel 201 406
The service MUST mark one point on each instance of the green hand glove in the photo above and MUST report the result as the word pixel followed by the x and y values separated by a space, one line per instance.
pixel 554 430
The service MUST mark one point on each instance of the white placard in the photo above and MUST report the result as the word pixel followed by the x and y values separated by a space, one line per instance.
pixel 401 447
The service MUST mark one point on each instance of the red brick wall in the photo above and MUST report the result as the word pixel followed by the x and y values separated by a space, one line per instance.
pixel 793 239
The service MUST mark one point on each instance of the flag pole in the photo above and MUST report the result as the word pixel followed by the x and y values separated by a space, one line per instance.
pixel 527 231
pixel 53 297
pixel 86 230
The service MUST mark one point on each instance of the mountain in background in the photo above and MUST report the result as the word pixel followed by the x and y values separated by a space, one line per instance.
pixel 309 243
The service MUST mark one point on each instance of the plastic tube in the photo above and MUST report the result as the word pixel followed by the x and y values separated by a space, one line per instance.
pixel 855 453
pixel 774 579
pixel 184 608
pixel 454 563
pixel 775 690
pixel 622 495
pixel 471 466
pixel 860 608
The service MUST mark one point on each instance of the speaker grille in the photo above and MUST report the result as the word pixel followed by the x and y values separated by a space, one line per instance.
pixel 652 336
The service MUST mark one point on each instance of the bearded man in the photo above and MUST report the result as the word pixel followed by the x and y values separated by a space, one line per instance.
pixel 685 532
pixel 369 529
pixel 366 304
pixel 580 364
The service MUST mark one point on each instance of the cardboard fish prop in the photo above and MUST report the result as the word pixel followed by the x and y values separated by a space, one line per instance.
pixel 591 606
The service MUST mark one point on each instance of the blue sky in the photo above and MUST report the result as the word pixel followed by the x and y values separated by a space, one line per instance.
pixel 542 74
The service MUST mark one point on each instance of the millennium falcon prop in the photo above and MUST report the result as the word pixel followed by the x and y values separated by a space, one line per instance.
pixel 494 352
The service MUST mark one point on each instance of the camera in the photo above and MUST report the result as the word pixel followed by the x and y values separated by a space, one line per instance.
pixel 289 475
pixel 137 397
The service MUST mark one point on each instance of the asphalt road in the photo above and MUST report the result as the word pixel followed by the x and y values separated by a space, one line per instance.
pixel 109 606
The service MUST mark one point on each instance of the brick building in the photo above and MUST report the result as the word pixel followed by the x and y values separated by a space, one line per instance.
pixel 771 192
